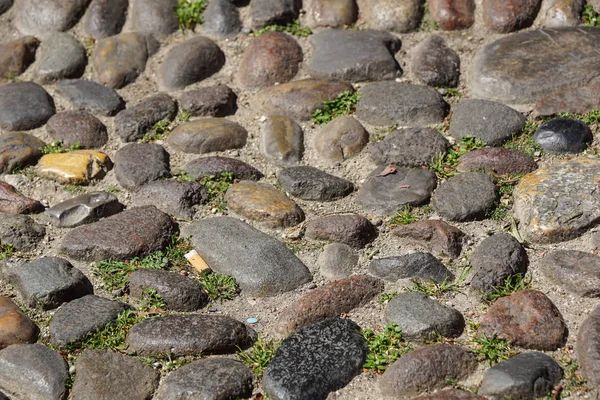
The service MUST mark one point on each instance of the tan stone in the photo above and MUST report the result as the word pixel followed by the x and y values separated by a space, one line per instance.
pixel 75 167
pixel 15 327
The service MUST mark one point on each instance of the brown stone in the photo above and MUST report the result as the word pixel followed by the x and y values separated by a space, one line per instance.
pixel 497 160
pixel 15 326
pixel 282 140
pixel 328 301
pixel 331 13
pixel 341 139
pixel 452 15
pixel 74 167
pixel 273 57
pixel 510 15
pixel 573 100
pixel 526 319
pixel 16 56
pixel 351 229
pixel 13 202
pixel 207 135
pixel 263 203
pixel 77 126
pixel 588 348
pixel 437 236
pixel 391 15
pixel 17 150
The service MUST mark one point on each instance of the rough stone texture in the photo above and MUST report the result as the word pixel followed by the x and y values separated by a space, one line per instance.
pixel 105 18
pixel 18 150
pixel 174 198
pixel 178 292
pixel 13 202
pixel 15 117
pixel 524 376
pixel 32 372
pixel 465 197
pixel 426 369
pixel 15 326
pixel 526 319
pixel 316 360
pixel 510 15
pixel 331 300
pixel 437 236
pixel 354 56
pixel 212 378
pixel 387 103
pixel 60 56
pixel 576 271
pixel 262 265
pixel 397 16
pixel 90 96
pixel 207 135
pixel 216 165
pixel 36 17
pixel 221 19
pixel 21 231
pixel 16 56
pixel 269 12
pixel 106 375
pixel 337 261
pixel 389 193
pixel 570 99
pixel 330 13
pixel 341 139
pixel 351 229
pixel 452 15
pixel 140 163
pixel 588 348
pixel 495 75
pixel 263 203
pixel 409 147
pixel 282 140
pixel 182 335
pixel 83 209
pixel 273 57
pixel 298 99
pixel 495 259
pixel 156 17
pixel 558 202
pixel 450 394
pixel 563 135
pixel 421 317
pixel 73 321
pixel 211 101
pixel 77 167
pixel 498 160
pixel 422 266
pixel 309 183
pixel 134 232
pixel 72 127
pixel 189 62
pixel 435 64
pixel 134 122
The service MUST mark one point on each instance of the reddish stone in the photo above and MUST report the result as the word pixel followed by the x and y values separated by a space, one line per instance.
pixel 573 100
pixel 452 15
pixel 510 15
pixel 498 160
pixel 437 236
pixel 16 56
pixel 15 327
pixel 13 202
pixel 351 229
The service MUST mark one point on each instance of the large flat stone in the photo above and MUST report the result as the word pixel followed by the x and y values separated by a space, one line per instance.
pixel 576 271
pixel 588 347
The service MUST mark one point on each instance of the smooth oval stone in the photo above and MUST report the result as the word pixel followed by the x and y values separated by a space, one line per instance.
pixel 20 231
pixel 282 140
pixel 309 183
pixel 273 57
pixel 497 160
pixel 36 17
pixel 465 197
pixel 221 19
pixel 563 135
pixel 24 106
pixel 422 266
pixel 270 12
pixel 564 13
pixel 105 18
pixel 330 13
pixel 13 202
pixel 83 209
pixel 216 165
pixel 90 96
pixel 341 139
pixel 351 229
pixel 263 203
pixel 18 150
pixel 140 163
pixel 189 62
pixel 77 127
pixel 15 326
pixel 409 147
pixel 576 271
pixel 16 56
pixel 77 167
pixel 337 261
pixel 510 15
pixel 400 17
pixel 211 101
pixel 134 122
pixel 207 135
pixel 60 56
pixel 452 15
pixel 156 17
pixel 435 64
pixel 174 198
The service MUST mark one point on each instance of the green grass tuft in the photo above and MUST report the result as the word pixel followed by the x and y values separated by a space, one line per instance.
pixel 433 289
pixel 385 347
pixel 409 214
pixel 219 287
pixel 259 356
pixel 189 13
pixel 216 188
pixel 344 104
pixel 112 336
pixel 293 28
pixel 512 284
pixel 6 250
pixel 589 16
pixel 57 148
pixel 444 164
pixel 492 349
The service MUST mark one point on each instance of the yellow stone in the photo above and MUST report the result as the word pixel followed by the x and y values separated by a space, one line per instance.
pixel 75 167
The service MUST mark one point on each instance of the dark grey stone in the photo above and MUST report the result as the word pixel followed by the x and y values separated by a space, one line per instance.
pixel 465 197
pixel 90 96
pixel 48 282
pixel 489 121
pixel 181 335
pixel 72 127
pixel 389 193
pixel 421 317
pixel 105 18
pixel 262 265
pixel 178 292
pixel 282 140
pixel 134 122
pixel 72 322
pixel 36 17
pixel 351 229
pixel 316 360
pixel 409 147
pixel 33 372
pixel 211 101
pixel 24 106
pixel 525 376
pixel 5 5
pixel 588 347
pixel 309 183
pixel 139 163
pixel 83 209
pixel 60 56
pixel 21 231
pixel 212 378
pixel 337 261
pixel 435 64
pixel 134 232
pixel 495 259
pixel 388 103
pixel 189 62
pixel 354 56
pixel 422 266
pixel 106 374
pixel 156 17
pixel 221 19
pixel 216 165
pixel 576 271
pixel 174 198
pixel 563 135
pixel 269 12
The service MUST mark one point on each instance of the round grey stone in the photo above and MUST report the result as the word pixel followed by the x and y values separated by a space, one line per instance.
pixel 105 18
pixel 465 197
pixel 174 198
pixel 134 122
pixel 60 56
pixel 337 261
pixel 435 64
pixel 269 12
pixel 409 147
pixel 282 140
pixel 156 17
pixel 309 183
pixel 24 106
pixel 221 19
pixel 36 17
pixel 200 168
pixel 72 127
pixel 90 96
pixel 211 101
pixel 576 271
pixel 422 266
pixel 20 231
pixel 139 163
pixel 341 139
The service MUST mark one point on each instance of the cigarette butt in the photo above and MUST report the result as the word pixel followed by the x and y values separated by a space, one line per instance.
pixel 197 262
